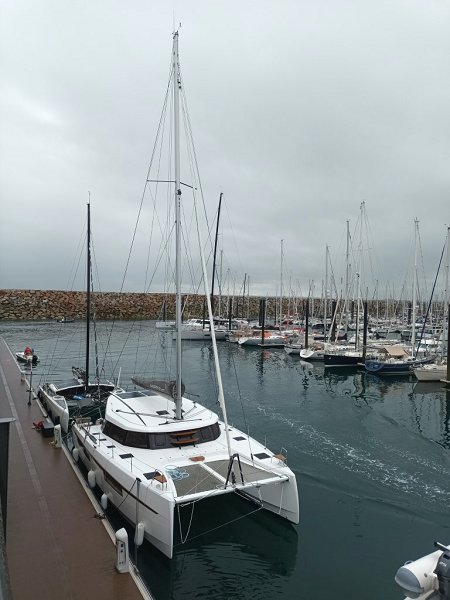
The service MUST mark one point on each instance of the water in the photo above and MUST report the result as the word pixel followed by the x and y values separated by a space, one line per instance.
pixel 371 458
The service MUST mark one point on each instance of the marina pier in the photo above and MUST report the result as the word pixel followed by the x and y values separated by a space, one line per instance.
pixel 56 544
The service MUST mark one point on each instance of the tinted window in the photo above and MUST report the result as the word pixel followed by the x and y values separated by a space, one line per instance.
pixel 157 441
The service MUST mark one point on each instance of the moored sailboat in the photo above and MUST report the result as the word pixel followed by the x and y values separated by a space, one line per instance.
pixel 158 451
pixel 78 396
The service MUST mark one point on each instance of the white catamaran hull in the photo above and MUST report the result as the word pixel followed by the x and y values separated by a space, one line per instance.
pixel 146 485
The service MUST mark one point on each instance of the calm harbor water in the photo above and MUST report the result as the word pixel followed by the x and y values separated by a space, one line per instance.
pixel 371 458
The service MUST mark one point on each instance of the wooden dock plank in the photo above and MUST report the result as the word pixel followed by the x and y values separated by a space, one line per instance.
pixel 56 546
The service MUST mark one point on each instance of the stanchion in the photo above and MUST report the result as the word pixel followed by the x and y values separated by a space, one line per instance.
pixel 31 387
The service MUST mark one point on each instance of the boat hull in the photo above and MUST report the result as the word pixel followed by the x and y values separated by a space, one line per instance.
pixel 200 335
pixel 431 372
pixel 394 367
pixel 28 359
pixel 312 355
pixel 342 360
pixel 149 486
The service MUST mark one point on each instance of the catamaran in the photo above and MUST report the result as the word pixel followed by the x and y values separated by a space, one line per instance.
pixel 157 451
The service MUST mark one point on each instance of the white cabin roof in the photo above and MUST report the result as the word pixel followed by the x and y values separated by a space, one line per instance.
pixel 150 412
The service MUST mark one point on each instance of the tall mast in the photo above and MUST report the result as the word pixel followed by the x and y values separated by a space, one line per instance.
pixel 281 284
pixel 446 318
pixel 325 296
pixel 176 140
pixel 414 292
pixel 215 252
pixel 347 269
pixel 88 291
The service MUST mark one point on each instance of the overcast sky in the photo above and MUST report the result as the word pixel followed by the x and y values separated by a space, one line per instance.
pixel 300 111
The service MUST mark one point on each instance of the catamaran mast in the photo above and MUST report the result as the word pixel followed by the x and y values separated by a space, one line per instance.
pixel 176 139
pixel 88 293
pixel 178 399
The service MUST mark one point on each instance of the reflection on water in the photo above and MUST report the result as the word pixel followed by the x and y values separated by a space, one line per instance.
pixel 231 552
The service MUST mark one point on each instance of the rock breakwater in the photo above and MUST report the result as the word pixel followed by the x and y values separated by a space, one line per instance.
pixel 43 305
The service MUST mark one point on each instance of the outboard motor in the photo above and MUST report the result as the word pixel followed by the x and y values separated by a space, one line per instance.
pixel 442 571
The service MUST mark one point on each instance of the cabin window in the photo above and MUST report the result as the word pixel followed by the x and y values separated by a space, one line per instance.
pixel 136 439
pixel 156 440
pixel 113 431
pixel 210 433
pixel 159 441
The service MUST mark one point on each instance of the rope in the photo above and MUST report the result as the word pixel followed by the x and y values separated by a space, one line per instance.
pixel 220 526
pixel 183 541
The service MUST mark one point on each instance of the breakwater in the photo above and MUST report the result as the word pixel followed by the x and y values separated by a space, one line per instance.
pixel 44 305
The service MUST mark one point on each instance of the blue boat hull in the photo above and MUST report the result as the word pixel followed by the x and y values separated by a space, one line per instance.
pixel 399 367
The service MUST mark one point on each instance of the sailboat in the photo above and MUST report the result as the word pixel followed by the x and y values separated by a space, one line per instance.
pixel 158 453
pixel 77 396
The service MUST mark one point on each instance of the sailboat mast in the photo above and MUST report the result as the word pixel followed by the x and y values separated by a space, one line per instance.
pixel 446 319
pixel 281 285
pixel 347 278
pixel 88 292
pixel 325 296
pixel 414 292
pixel 215 251
pixel 176 139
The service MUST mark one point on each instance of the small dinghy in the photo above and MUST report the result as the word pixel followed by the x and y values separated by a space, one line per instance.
pixel 28 356
pixel 427 578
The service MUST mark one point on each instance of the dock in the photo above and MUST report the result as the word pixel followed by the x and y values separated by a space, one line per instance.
pixel 57 546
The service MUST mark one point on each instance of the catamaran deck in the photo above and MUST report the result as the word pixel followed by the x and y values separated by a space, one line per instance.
pixel 56 547
pixel 192 479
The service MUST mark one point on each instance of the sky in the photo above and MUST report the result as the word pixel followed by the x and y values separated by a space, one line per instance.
pixel 306 115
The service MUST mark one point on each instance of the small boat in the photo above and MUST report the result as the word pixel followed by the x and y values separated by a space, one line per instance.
pixel 28 356
pixel 270 338
pixel 81 396
pixel 293 349
pixel 65 320
pixel 197 329
pixel 431 372
pixel 165 325
pixel 395 360
pixel 315 352
pixel 70 399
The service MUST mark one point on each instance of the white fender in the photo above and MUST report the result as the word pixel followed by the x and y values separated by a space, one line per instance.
pixel 57 436
pixel 139 533
pixel 104 501
pixel 91 479
pixel 75 454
